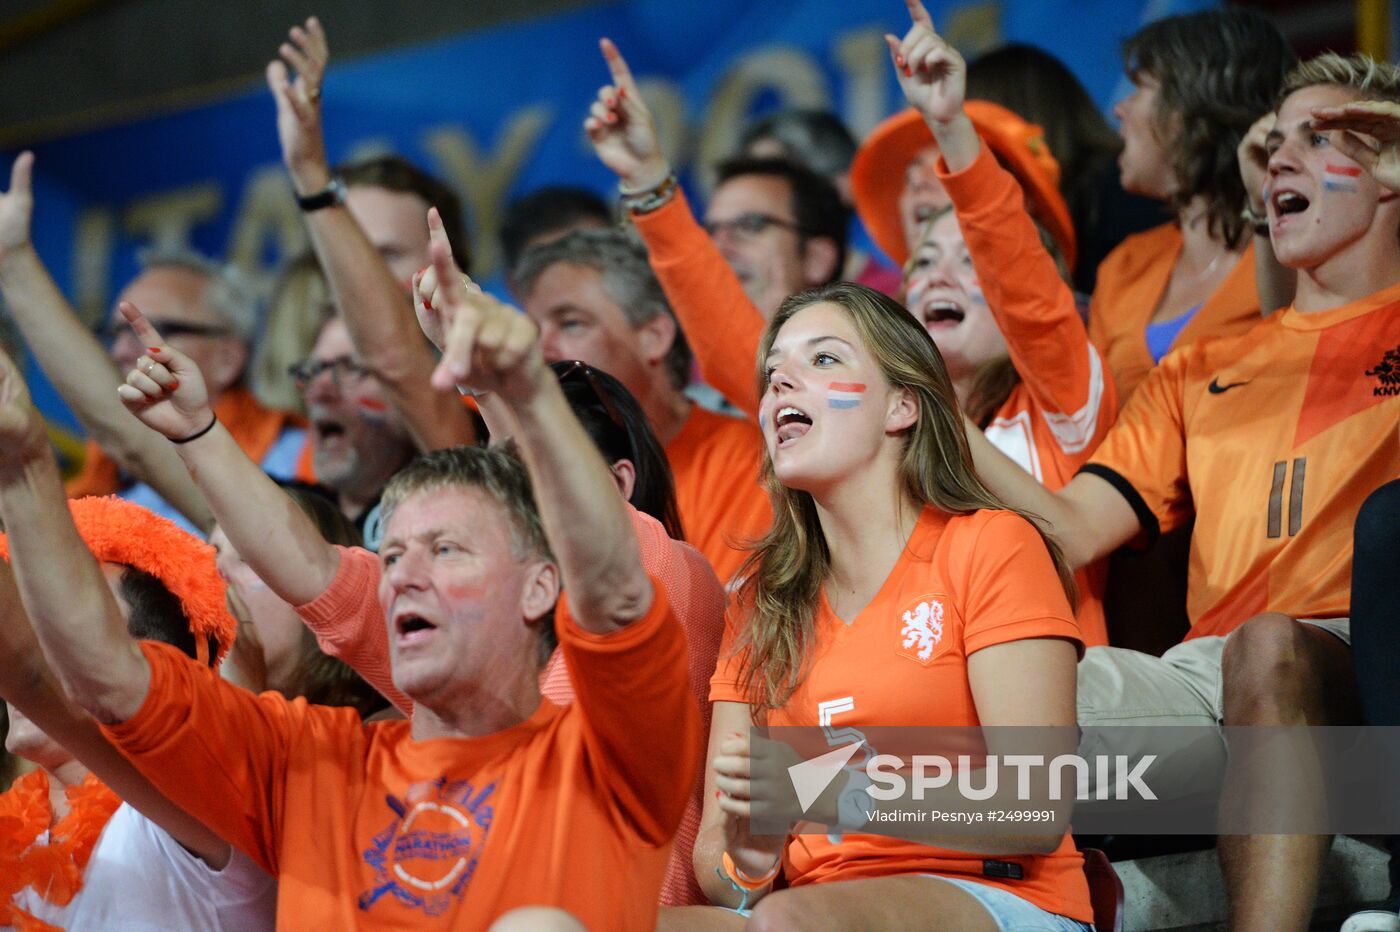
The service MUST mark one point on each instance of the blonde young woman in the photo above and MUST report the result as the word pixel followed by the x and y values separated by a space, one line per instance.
pixel 877 512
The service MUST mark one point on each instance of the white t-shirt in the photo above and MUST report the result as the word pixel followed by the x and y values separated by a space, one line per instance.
pixel 139 879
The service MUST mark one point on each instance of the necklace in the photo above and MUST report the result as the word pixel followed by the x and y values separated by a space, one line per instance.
pixel 54 868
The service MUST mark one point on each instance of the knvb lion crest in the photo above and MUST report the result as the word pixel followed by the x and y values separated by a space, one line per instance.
pixel 922 631
pixel 1387 372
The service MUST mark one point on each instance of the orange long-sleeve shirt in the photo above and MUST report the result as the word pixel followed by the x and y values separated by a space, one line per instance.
pixel 1066 402
pixel 349 624
pixel 367 828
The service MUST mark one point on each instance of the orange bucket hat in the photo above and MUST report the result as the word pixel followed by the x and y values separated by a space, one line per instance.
pixel 117 531
pixel 877 173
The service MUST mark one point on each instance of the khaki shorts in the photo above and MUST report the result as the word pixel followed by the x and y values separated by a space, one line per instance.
pixel 1120 688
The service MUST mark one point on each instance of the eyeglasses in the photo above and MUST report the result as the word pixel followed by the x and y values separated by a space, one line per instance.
pixel 578 372
pixel 750 225
pixel 169 329
pixel 342 368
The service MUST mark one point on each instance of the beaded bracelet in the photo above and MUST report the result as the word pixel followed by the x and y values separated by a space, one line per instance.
pixel 644 202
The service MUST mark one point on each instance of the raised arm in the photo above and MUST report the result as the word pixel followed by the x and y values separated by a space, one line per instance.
pixel 491 347
pixel 376 308
pixel 721 324
pixel 1370 135
pixel 75 361
pixel 166 392
pixel 1034 308
pixel 933 76
pixel 75 615
pixel 1088 517
pixel 1276 283
pixel 28 684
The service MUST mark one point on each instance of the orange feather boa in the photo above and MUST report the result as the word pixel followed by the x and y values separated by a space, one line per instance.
pixel 54 869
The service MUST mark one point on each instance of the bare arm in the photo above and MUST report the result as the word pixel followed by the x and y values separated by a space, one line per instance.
pixel 27 683
pixel 1369 133
pixel 376 309
pixel 933 77
pixel 74 613
pixel 721 828
pixel 1088 517
pixel 265 526
pixel 1275 283
pixel 76 362
pixel 494 348
pixel 722 325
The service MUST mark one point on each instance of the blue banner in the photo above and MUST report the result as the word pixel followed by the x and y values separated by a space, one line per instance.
pixel 499 112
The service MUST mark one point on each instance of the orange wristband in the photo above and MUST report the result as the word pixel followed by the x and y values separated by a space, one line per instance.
pixel 744 882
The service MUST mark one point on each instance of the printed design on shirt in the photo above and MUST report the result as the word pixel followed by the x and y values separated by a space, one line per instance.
pixel 922 630
pixel 1073 430
pixel 427 854
pixel 1387 373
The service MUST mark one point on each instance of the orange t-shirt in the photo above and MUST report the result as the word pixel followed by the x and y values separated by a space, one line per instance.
pixel 1272 440
pixel 1133 278
pixel 349 624
pixel 992 579
pixel 715 460
pixel 253 427
pixel 1066 401
pixel 366 828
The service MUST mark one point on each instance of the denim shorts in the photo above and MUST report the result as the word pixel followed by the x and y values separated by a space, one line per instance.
pixel 1014 914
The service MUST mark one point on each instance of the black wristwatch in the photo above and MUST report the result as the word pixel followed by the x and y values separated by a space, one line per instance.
pixel 331 195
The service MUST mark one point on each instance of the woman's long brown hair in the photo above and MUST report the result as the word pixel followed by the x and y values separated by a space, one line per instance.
pixel 782 578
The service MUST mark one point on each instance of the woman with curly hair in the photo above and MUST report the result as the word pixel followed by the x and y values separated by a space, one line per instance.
pixel 1199 83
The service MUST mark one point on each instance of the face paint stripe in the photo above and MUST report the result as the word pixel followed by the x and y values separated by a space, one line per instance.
pixel 844 394
pixel 1340 178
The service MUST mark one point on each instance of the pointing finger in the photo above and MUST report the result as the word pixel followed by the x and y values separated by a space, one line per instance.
pixel 21 173
pixel 617 65
pixel 145 331
pixel 918 14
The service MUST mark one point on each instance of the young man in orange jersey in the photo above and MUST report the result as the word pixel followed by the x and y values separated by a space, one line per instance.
pixel 1271 441
pixel 475 808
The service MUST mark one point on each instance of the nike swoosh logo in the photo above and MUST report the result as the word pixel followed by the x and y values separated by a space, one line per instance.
pixel 1217 389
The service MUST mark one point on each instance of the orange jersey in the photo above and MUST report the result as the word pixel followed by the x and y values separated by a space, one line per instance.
pixel 1271 440
pixel 978 580
pixel 1132 280
pixel 366 828
pixel 1066 401
pixel 715 460
pixel 349 624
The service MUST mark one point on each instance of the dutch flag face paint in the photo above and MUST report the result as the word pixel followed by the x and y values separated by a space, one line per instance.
pixel 844 394
pixel 1340 178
